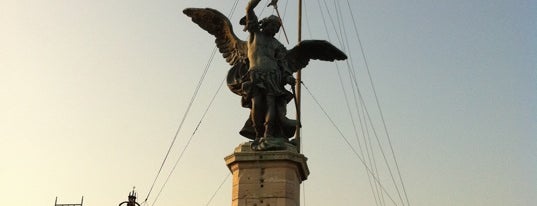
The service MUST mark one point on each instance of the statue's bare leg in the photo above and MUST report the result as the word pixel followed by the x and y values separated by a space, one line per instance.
pixel 270 116
pixel 264 114
pixel 258 115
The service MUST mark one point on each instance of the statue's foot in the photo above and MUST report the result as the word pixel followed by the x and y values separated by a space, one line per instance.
pixel 293 142
pixel 255 143
pixel 269 143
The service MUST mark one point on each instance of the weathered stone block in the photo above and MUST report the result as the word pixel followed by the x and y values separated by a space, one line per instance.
pixel 264 178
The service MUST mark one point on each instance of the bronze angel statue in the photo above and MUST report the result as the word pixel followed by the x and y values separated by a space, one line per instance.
pixel 261 68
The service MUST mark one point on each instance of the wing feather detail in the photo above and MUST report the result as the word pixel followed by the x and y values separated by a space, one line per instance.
pixel 217 24
pixel 300 55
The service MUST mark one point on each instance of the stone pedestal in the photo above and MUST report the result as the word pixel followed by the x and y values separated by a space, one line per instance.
pixel 266 178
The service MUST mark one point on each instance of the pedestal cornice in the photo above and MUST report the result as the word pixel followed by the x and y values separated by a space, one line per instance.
pixel 244 153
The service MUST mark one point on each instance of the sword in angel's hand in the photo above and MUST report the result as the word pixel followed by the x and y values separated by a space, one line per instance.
pixel 274 3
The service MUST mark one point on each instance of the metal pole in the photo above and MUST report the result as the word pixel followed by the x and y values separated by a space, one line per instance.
pixel 281 22
pixel 298 81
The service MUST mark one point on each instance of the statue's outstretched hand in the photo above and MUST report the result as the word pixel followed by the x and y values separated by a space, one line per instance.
pixel 252 4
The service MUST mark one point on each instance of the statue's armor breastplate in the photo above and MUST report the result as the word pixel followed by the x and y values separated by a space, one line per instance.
pixel 261 52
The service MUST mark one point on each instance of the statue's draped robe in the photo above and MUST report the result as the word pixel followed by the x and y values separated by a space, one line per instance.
pixel 237 77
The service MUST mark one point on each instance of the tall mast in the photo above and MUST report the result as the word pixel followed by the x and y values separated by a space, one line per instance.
pixel 298 81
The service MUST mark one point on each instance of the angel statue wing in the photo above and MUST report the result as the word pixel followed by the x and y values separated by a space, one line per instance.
pixel 301 54
pixel 234 50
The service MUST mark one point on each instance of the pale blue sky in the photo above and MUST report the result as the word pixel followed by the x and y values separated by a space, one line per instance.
pixel 93 91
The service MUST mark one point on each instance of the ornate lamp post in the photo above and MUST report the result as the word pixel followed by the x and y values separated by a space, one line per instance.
pixel 132 199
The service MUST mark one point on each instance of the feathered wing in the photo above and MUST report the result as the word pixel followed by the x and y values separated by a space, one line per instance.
pixel 232 48
pixel 300 55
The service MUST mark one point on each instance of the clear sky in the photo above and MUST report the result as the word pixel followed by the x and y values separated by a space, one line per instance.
pixel 92 93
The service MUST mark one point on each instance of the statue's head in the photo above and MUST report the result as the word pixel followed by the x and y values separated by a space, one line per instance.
pixel 270 24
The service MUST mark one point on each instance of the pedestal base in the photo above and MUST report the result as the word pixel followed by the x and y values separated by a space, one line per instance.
pixel 266 178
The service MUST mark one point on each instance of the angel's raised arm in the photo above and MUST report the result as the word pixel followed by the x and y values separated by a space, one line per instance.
pixel 251 19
